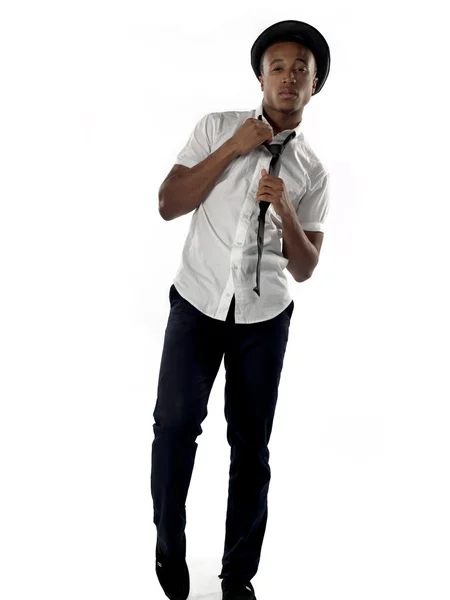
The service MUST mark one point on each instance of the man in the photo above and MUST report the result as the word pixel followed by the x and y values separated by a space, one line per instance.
pixel 224 174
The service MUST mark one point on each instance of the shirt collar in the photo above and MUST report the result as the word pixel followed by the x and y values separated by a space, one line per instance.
pixel 282 135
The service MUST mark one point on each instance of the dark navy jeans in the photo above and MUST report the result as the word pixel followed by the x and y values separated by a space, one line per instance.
pixel 194 346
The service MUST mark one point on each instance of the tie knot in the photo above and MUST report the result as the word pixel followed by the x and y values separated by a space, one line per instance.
pixel 276 148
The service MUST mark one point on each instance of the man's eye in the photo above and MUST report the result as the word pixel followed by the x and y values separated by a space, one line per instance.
pixel 280 68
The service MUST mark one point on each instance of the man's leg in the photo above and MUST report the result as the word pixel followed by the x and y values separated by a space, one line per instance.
pixel 254 358
pixel 192 354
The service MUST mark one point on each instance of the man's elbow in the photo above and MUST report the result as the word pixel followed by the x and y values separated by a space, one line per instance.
pixel 164 203
pixel 299 278
pixel 309 273
pixel 163 208
pixel 304 276
pixel 162 211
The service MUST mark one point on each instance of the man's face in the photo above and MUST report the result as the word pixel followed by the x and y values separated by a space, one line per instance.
pixel 288 65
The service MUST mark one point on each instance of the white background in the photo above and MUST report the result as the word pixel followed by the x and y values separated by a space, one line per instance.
pixel 97 99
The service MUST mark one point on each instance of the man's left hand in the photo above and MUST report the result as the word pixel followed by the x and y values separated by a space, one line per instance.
pixel 272 189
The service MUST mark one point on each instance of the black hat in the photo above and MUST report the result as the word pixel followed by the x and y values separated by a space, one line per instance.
pixel 294 31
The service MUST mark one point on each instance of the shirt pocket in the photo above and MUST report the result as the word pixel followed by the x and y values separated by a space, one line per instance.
pixel 295 193
pixel 294 180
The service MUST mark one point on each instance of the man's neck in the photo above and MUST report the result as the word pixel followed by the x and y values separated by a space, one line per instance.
pixel 281 126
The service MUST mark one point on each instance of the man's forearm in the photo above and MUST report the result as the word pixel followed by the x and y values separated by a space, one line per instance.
pixel 301 253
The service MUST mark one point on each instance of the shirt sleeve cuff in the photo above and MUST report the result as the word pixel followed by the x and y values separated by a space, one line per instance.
pixel 312 227
pixel 187 162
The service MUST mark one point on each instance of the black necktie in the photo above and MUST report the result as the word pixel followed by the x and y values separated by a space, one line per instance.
pixel 276 150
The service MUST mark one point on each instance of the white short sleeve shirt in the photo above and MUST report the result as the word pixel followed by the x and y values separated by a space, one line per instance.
pixel 220 253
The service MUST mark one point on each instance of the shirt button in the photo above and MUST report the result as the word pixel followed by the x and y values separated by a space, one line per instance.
pixel 239 243
pixel 235 267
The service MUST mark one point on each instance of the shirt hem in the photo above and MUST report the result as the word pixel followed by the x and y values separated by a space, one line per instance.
pixel 176 283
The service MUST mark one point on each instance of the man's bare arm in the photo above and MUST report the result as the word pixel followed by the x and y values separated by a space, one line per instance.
pixel 181 193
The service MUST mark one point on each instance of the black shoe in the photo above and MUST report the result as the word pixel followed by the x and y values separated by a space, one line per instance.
pixel 173 575
pixel 237 590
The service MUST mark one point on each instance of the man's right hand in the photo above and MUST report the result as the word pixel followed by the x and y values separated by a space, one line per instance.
pixel 251 134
